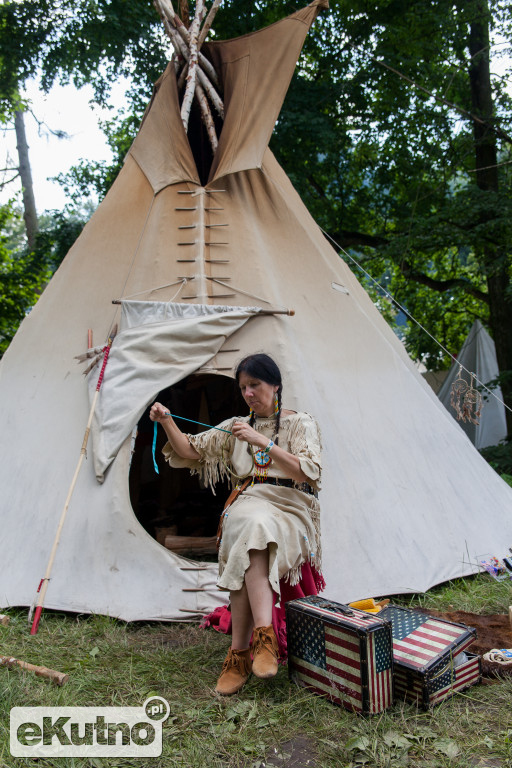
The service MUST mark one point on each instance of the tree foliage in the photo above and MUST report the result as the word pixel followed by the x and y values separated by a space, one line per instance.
pixel 24 272
pixel 21 277
pixel 83 41
pixel 380 133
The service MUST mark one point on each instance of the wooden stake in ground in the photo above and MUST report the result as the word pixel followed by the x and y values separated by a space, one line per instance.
pixel 59 678
pixel 43 586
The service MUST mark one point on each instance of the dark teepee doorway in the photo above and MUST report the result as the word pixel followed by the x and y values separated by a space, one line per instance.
pixel 173 506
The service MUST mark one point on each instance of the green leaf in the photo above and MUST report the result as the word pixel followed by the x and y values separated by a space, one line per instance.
pixel 358 742
pixel 398 740
pixel 447 747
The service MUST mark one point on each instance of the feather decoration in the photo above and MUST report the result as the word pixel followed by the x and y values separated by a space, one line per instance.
pixel 95 354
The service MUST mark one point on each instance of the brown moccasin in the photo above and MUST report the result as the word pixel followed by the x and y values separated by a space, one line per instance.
pixel 265 651
pixel 235 671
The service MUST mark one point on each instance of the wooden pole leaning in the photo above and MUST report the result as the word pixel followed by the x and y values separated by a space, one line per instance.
pixel 43 586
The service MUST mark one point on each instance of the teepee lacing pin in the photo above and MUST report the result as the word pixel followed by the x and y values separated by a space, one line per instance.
pixel 465 399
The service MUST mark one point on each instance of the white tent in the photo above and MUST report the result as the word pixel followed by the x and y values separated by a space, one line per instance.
pixel 407 502
pixel 478 355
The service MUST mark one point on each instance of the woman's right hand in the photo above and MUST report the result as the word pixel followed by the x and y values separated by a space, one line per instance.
pixel 158 412
pixel 177 439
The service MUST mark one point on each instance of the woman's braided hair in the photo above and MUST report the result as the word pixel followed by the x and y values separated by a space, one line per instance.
pixel 262 367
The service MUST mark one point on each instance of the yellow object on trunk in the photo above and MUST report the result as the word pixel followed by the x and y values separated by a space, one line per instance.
pixel 369 605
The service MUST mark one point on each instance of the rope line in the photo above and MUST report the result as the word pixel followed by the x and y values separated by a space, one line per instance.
pixel 201 423
pixel 180 282
pixel 406 312
pixel 239 290
pixel 496 128
pixel 135 252
pixel 487 167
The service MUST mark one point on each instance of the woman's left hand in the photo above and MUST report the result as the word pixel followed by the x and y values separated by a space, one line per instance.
pixel 242 431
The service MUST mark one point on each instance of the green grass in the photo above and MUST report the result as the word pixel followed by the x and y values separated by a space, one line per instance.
pixel 477 594
pixel 274 723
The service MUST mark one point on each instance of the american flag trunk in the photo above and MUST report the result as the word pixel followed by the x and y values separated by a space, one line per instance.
pixel 429 654
pixel 340 653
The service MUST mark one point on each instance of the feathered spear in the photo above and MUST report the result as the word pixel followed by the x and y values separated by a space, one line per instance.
pixel 43 585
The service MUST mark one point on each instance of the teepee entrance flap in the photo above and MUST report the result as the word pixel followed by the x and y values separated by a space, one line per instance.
pixel 158 345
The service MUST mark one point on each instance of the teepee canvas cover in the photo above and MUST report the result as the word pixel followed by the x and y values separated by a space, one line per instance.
pixel 407 502
pixel 478 355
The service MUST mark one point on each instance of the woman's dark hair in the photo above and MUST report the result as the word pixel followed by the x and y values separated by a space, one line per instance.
pixel 262 367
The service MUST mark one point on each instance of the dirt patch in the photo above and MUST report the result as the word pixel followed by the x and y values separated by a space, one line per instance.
pixel 295 753
pixel 173 636
pixel 492 632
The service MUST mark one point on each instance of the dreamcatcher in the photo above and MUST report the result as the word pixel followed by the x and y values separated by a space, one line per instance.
pixel 465 399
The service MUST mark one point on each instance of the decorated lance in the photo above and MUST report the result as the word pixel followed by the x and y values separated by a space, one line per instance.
pixel 43 585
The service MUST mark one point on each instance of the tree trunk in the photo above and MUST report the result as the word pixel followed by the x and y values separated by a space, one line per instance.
pixel 29 204
pixel 494 256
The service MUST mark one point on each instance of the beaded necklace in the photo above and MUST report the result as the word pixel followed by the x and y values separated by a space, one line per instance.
pixel 261 459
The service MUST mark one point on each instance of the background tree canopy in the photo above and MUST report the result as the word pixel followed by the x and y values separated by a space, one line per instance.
pixel 395 132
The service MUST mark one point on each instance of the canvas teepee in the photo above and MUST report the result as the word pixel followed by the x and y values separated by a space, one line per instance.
pixel 407 502
pixel 478 355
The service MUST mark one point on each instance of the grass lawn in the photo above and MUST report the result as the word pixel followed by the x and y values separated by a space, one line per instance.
pixel 273 723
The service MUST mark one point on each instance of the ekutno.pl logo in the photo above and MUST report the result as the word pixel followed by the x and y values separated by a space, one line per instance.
pixel 89 731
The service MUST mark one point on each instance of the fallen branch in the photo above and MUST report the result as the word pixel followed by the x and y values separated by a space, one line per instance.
pixel 59 678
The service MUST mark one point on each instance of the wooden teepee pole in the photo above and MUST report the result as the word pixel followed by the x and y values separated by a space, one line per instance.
pixel 207 117
pixel 192 63
pixel 167 12
pixel 43 586
pixel 208 22
pixel 197 72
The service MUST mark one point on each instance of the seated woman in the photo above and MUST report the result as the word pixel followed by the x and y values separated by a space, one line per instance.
pixel 272 529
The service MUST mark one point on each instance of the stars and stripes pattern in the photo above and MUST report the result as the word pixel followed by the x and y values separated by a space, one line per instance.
pixel 423 651
pixel 380 670
pixel 419 640
pixel 412 686
pixel 325 654
pixel 408 685
pixel 453 680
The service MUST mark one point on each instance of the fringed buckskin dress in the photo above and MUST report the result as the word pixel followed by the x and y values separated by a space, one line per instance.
pixel 284 519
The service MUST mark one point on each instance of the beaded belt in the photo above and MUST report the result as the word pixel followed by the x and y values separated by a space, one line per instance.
pixel 285 483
